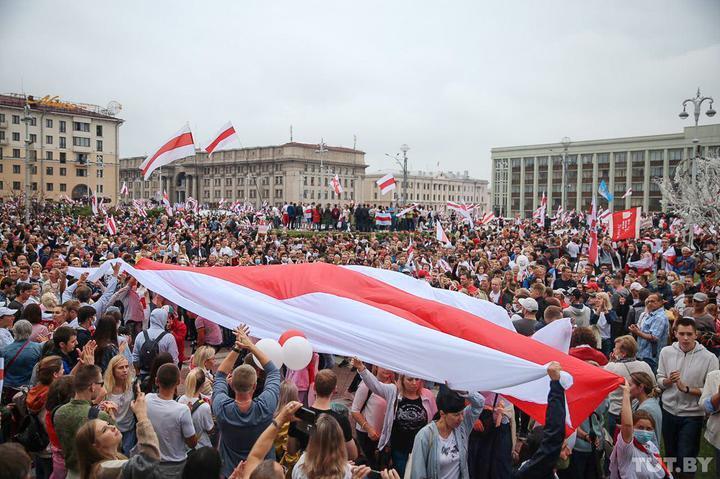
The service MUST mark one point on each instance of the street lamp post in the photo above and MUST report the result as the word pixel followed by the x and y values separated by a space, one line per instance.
pixel 697 104
pixel 402 163
pixel 563 192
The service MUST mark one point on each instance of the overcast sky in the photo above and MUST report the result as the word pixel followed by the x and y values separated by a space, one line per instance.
pixel 450 79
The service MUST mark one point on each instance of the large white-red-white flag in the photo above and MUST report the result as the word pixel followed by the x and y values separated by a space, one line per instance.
pixel 440 234
pixel 386 183
pixel 625 224
pixel 336 185
pixel 124 190
pixel 180 145
pixel 224 138
pixel 445 334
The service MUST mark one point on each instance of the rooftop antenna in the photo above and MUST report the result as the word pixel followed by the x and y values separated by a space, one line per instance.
pixel 291 135
pixel 354 142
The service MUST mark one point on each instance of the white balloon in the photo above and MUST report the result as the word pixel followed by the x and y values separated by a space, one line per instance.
pixel 297 353
pixel 272 349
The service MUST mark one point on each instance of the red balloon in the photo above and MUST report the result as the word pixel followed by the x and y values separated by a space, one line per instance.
pixel 290 333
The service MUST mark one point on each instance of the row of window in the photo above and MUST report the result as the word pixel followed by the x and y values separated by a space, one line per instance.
pixel 62 124
pixel 674 154
pixel 62 141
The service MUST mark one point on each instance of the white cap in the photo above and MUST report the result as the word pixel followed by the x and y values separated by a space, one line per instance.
pixel 635 286
pixel 7 311
pixel 528 303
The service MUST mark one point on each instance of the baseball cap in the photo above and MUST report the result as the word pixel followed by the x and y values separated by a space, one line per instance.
pixel 7 311
pixel 528 303
pixel 700 297
pixel 635 286
pixel 560 291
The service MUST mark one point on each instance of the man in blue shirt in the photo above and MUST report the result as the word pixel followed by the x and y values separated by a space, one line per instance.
pixel 685 264
pixel 651 331
pixel 240 417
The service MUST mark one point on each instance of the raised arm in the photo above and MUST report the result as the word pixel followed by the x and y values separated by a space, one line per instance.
pixel 387 391
pixel 265 442
pixel 626 422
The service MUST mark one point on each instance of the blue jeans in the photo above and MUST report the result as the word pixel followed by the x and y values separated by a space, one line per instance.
pixel 400 460
pixel 681 435
pixel 129 439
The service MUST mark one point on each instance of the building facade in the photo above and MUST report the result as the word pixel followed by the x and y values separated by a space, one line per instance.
pixel 431 189
pixel 295 172
pixel 73 147
pixel 521 174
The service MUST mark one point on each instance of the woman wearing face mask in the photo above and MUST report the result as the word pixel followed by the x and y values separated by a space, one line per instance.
pixel 441 448
pixel 642 390
pixel 635 453
pixel 410 407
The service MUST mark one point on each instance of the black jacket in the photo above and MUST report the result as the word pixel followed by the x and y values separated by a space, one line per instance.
pixel 542 464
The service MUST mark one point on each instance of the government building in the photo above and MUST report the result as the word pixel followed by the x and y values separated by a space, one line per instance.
pixel 521 174
pixel 297 172
pixel 431 189
pixel 73 147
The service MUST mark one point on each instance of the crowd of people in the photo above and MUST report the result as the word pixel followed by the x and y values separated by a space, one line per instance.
pixel 106 379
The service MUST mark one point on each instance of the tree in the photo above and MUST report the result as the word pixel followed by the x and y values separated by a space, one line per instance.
pixel 698 202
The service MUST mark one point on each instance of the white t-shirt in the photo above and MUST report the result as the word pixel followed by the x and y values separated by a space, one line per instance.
pixel 628 462
pixel 449 463
pixel 172 424
pixel 202 420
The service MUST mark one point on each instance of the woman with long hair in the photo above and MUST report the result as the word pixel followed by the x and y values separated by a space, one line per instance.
pixel 106 340
pixel 602 317
pixel 410 407
pixel 118 384
pixel 326 454
pixel 199 408
pixel 97 444
pixel 288 394
pixel 204 358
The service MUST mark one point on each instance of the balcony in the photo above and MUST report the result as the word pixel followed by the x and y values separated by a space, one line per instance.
pixel 4 142
pixel 3 124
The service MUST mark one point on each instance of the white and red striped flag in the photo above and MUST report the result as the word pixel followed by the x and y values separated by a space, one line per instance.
pixel 629 192
pixel 383 218
pixel 461 208
pixel 224 138
pixel 440 234
pixel 386 183
pixel 336 185
pixel 543 209
pixel 124 190
pixel 340 308
pixel 94 203
pixel 593 247
pixel 166 204
pixel 111 225
pixel 487 218
pixel 179 146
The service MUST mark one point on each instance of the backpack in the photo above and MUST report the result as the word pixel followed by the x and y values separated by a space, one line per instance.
pixel 32 435
pixel 149 350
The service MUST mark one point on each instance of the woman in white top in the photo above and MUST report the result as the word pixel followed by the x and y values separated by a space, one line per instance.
pixel 602 317
pixel 118 383
pixel 199 408
pixel 636 455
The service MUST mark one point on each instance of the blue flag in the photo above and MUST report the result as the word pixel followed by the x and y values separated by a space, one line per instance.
pixel 604 192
